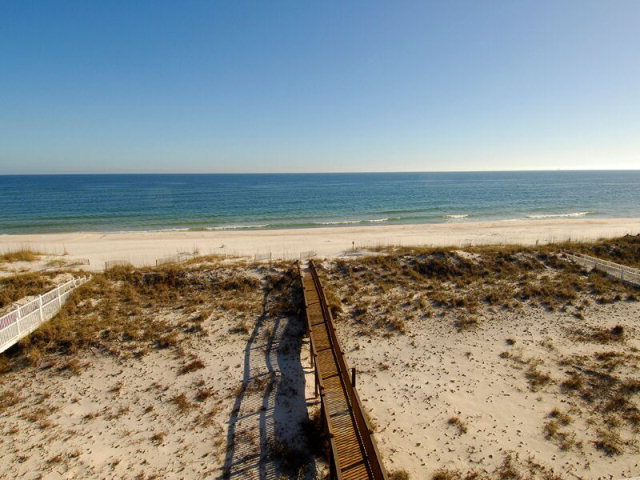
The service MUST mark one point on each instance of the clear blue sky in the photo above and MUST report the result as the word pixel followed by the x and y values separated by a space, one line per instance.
pixel 269 86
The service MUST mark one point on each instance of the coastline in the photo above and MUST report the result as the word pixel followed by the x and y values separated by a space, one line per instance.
pixel 145 247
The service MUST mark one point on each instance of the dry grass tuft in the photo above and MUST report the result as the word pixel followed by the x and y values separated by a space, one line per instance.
pixel 459 424
pixel 536 378
pixel 204 393
pixel 21 255
pixel 9 398
pixel 599 334
pixel 158 438
pixel 553 430
pixel 192 366
pixel 609 442
pixel 399 475
pixel 605 384
pixel 182 403
pixel 15 287
pixel 466 322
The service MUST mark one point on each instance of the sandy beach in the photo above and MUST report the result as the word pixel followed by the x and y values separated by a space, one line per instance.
pixel 145 247
pixel 470 361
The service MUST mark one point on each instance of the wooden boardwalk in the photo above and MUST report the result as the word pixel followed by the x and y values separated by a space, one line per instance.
pixel 624 273
pixel 353 452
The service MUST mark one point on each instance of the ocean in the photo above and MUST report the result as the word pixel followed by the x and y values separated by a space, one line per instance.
pixel 70 203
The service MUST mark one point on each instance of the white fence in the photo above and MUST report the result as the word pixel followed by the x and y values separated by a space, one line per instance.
pixel 307 255
pixel 260 257
pixel 180 257
pixel 26 318
pixel 621 272
pixel 116 263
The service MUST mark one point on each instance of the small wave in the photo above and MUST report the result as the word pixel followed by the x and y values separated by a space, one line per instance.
pixel 352 222
pixel 456 216
pixel 558 215
pixel 343 222
pixel 378 220
pixel 238 227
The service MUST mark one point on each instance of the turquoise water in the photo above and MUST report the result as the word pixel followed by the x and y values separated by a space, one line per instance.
pixel 66 203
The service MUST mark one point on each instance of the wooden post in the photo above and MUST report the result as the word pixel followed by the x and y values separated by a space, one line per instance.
pixel 353 377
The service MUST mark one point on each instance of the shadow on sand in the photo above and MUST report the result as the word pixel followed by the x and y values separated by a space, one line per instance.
pixel 265 439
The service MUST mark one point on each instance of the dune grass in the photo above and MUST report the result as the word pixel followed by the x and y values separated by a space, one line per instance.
pixel 130 312
pixel 15 287
pixel 383 292
pixel 20 255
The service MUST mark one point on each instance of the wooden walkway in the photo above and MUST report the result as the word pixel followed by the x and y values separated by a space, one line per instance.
pixel 353 452
pixel 624 273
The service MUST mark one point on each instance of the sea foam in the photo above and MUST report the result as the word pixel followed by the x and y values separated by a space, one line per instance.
pixel 558 215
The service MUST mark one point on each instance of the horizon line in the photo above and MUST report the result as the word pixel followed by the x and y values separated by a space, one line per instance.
pixel 323 172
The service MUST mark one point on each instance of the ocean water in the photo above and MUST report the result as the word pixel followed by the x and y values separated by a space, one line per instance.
pixel 67 203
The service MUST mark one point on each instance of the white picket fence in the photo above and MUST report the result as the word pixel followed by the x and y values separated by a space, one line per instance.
pixel 116 263
pixel 621 272
pixel 261 257
pixel 307 255
pixel 26 318
pixel 180 257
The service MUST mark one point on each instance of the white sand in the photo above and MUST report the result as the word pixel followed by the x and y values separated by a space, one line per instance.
pixel 413 384
pixel 431 374
pixel 143 248
pixel 101 423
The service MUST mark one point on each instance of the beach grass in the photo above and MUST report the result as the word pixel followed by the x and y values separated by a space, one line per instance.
pixel 20 255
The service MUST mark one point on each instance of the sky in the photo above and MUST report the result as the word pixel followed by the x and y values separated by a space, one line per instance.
pixel 274 86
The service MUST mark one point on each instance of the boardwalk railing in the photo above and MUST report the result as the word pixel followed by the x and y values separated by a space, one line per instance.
pixel 26 318
pixel 621 272
pixel 353 451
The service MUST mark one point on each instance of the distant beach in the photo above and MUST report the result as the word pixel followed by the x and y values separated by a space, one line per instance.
pixel 147 247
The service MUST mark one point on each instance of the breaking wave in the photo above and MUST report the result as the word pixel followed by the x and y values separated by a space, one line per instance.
pixel 559 215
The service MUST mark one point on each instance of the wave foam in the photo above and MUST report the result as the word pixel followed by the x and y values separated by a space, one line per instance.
pixel 352 222
pixel 237 227
pixel 342 222
pixel 456 216
pixel 558 215
pixel 378 220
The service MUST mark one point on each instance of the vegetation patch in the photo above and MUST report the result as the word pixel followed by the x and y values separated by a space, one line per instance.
pixel 405 284
pixel 21 255
pixel 129 312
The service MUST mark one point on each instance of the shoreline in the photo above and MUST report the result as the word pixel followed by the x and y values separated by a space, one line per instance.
pixel 145 247
pixel 272 225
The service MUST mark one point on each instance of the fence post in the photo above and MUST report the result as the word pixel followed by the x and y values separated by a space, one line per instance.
pixel 18 323
pixel 40 308
pixel 59 299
